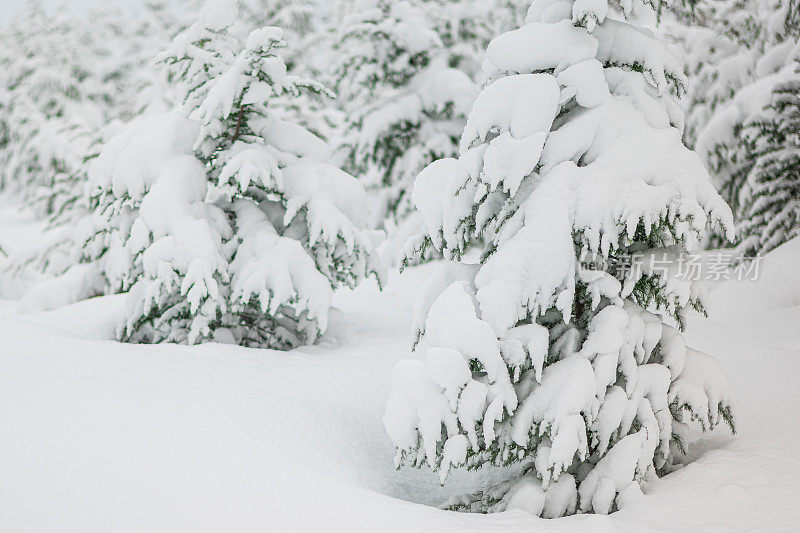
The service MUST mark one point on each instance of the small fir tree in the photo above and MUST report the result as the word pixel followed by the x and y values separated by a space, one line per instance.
pixel 228 224
pixel 574 183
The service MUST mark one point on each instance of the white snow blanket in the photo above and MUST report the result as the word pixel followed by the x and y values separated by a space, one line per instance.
pixel 99 436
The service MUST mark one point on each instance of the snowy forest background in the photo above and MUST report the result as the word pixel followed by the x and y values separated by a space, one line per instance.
pixel 389 260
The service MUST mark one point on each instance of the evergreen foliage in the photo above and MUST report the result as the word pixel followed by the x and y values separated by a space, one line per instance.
pixel 573 183
pixel 739 53
pixel 773 208
pixel 228 224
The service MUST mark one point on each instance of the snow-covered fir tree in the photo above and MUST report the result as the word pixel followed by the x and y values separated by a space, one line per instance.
pixel 573 182
pixel 227 223
pixel 738 53
pixel 404 105
pixel 772 209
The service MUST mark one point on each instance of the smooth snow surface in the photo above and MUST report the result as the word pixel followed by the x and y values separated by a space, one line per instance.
pixel 99 436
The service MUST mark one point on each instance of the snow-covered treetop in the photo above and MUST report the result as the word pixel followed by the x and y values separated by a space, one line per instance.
pixel 297 18
pixel 572 150
pixel 248 145
pixel 222 74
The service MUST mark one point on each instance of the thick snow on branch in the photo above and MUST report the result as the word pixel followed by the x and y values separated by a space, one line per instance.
pixel 571 161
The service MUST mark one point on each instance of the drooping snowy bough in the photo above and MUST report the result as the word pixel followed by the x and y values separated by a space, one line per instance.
pixel 226 222
pixel 573 180
pixel 773 206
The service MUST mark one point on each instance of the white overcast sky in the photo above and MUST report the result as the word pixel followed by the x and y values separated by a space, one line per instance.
pixel 14 6
pixel 11 7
